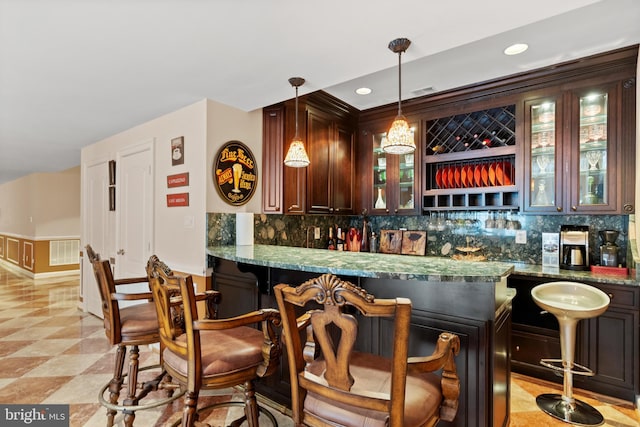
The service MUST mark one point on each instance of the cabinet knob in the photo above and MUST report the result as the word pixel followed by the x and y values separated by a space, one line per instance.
pixel 517 348
pixel 395 210
pixel 559 208
pixel 628 208
pixel 330 209
pixel 574 208
pixel 386 210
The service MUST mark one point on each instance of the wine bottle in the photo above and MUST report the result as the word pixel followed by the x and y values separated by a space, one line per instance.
pixel 339 240
pixel 331 244
pixel 364 244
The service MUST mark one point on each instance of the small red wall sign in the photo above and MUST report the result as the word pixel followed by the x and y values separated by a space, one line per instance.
pixel 178 180
pixel 179 199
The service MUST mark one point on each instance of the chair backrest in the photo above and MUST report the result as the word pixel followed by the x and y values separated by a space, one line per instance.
pixel 174 297
pixel 337 298
pixel 106 286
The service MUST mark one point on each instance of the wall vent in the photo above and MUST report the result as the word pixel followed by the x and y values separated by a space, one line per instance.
pixel 64 252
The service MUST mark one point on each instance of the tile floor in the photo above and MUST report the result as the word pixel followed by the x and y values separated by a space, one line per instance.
pixel 53 353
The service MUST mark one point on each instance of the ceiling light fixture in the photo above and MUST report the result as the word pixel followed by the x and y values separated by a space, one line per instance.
pixel 515 49
pixel 399 139
pixel 363 91
pixel 297 155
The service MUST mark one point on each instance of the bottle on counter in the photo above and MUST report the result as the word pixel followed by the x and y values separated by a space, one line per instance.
pixel 331 243
pixel 339 240
pixel 373 243
pixel 364 244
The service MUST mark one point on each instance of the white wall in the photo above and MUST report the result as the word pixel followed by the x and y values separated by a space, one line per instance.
pixel 227 124
pixel 180 232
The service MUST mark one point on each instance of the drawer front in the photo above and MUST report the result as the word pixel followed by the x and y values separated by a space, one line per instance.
pixel 530 348
pixel 621 296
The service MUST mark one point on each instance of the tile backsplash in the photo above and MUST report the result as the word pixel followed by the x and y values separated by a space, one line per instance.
pixel 493 232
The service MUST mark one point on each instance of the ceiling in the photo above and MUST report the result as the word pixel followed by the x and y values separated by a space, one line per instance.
pixel 73 72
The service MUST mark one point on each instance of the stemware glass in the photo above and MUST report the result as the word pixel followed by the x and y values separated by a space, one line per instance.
pixel 593 157
pixel 542 162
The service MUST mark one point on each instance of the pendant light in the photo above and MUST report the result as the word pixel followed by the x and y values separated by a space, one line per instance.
pixel 297 155
pixel 399 139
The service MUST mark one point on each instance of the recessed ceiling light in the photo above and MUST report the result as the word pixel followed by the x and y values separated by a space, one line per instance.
pixel 515 49
pixel 363 91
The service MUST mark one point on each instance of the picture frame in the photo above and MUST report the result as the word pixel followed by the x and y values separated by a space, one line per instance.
pixel 112 198
pixel 177 151
pixel 112 172
pixel 390 241
pixel 414 242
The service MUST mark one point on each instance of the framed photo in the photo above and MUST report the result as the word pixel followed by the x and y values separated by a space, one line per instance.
pixel 112 198
pixel 414 242
pixel 390 241
pixel 177 151
pixel 112 172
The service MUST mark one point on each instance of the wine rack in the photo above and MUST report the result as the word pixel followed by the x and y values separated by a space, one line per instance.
pixel 470 161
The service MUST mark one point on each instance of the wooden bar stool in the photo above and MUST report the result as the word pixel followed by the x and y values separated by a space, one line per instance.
pixel 569 302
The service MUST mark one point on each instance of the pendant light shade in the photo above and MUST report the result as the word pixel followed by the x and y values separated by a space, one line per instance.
pixel 400 138
pixel 296 156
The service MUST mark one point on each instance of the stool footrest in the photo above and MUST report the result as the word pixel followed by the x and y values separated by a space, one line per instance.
pixel 556 365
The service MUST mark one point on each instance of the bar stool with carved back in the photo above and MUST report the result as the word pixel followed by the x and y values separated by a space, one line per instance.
pixel 569 302
pixel 128 327
pixel 212 353
pixel 332 384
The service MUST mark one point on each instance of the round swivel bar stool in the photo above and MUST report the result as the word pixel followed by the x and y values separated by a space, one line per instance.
pixel 569 302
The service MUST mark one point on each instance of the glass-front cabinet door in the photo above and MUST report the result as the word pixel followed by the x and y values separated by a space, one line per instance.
pixel 571 152
pixel 394 179
pixel 593 142
pixel 543 138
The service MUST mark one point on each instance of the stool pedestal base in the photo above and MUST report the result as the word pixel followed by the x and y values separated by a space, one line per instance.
pixel 575 411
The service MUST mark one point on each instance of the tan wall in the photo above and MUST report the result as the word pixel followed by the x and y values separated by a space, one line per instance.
pixel 32 256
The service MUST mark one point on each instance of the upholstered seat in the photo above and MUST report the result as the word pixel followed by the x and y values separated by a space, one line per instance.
pixel 212 353
pixel 332 384
pixel 138 320
pixel 222 352
pixel 372 376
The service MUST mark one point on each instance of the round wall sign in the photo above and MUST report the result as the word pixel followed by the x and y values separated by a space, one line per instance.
pixel 235 174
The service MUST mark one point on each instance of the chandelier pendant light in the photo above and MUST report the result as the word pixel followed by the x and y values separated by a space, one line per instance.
pixel 400 138
pixel 296 156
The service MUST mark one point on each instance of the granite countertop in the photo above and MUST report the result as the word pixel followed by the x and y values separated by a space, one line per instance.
pixel 364 264
pixel 572 275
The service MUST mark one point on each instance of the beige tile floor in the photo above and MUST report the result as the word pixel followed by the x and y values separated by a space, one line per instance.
pixel 53 353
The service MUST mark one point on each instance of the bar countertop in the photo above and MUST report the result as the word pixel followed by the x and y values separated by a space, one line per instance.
pixel 364 264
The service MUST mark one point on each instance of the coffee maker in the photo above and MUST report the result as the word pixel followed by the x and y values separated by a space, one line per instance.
pixel 609 249
pixel 574 247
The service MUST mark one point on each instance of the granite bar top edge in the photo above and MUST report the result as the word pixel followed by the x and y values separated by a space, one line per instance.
pixel 363 264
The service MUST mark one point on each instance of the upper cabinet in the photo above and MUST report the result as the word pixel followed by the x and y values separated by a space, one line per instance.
pixel 390 183
pixel 556 140
pixel 573 150
pixel 331 173
pixel 328 129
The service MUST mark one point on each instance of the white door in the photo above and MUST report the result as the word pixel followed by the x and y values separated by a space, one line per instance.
pixel 134 210
pixel 96 210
